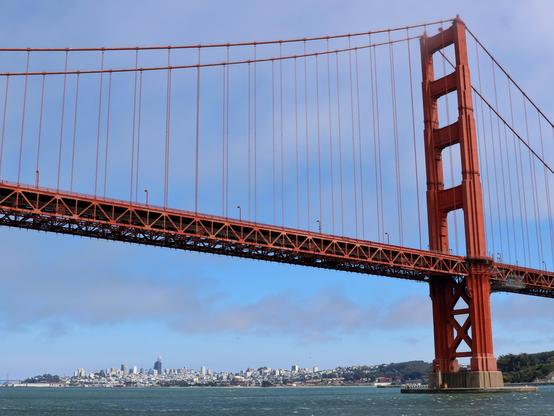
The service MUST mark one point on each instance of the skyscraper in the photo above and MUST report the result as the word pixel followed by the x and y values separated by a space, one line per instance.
pixel 158 365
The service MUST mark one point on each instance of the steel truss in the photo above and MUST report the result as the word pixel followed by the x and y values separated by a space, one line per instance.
pixel 69 213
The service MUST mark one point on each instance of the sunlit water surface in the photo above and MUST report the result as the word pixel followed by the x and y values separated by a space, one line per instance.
pixel 265 401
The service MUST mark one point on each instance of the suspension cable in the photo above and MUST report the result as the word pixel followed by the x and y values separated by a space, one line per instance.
pixel 205 65
pixel 227 44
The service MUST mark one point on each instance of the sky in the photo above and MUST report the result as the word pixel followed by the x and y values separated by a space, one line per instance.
pixel 69 302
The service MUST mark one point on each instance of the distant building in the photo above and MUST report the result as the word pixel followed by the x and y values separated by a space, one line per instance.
pixel 124 369
pixel 203 370
pixel 315 369
pixel 158 365
pixel 294 368
pixel 80 372
pixel 135 369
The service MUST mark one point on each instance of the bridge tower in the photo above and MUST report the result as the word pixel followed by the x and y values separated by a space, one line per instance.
pixel 461 306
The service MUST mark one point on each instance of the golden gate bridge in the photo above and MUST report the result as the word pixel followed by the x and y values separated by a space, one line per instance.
pixel 309 151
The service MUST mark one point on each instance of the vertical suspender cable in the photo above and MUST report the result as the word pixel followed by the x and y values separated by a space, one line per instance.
pixel 62 123
pixel 41 111
pixel 249 152
pixel 274 198
pixel 496 184
pixel 414 136
pixel 362 207
pixel 320 219
pixel 353 131
pixel 6 90
pixel 502 166
pixel 282 152
pixel 340 146
pixel 332 179
pixel 73 146
pixel 255 138
pixel 23 118
pixel 396 149
pixel 296 143
pixel 106 154
pixel 374 124
pixel 533 184
pixel 167 129
pixel 547 189
pixel 227 134
pixel 134 127
pixel 308 197
pixel 522 217
pixel 510 197
pixel 197 135
pixel 98 123
pixel 377 117
pixel 223 150
pixel 139 122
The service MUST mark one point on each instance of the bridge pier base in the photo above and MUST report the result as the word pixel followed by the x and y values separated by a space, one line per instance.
pixel 466 380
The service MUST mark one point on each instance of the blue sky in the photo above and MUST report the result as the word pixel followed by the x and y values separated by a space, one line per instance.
pixel 70 302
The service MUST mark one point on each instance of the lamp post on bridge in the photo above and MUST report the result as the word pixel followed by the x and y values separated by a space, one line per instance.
pixel 388 237
pixel 146 195
pixel 318 225
pixel 240 212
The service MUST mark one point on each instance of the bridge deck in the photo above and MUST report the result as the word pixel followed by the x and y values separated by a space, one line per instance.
pixel 70 213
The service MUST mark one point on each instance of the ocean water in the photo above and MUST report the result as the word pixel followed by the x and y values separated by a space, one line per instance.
pixel 265 401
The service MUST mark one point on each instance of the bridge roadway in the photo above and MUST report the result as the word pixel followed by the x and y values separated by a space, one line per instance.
pixel 44 209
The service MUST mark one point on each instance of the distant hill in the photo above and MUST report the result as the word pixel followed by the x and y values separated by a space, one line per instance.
pixel 404 372
pixel 525 368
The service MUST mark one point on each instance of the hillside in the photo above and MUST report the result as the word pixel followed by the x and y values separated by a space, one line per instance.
pixel 525 368
pixel 404 372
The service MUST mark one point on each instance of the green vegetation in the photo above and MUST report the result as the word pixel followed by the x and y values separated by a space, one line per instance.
pixel 525 368
pixel 398 372
pixel 45 378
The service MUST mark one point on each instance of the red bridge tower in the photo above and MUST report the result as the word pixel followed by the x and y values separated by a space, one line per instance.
pixel 461 306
